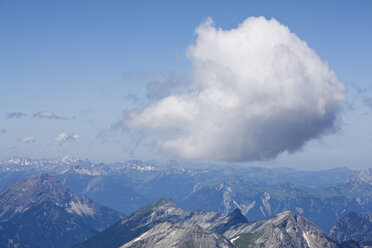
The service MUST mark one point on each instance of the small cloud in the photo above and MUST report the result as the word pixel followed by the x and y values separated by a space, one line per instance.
pixel 3 131
pixel 15 115
pixel 64 137
pixel 27 140
pixel 46 115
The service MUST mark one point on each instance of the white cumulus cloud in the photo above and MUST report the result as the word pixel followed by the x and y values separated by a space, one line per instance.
pixel 27 140
pixel 259 90
pixel 64 137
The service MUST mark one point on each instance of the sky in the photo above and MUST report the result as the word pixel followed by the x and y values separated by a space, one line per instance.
pixel 261 83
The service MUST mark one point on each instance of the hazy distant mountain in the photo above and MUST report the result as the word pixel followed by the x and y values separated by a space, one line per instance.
pixel 42 212
pixel 163 224
pixel 259 193
pixel 353 226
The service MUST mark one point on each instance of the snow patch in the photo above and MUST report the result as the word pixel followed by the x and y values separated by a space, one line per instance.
pixel 233 239
pixel 145 168
pixel 307 239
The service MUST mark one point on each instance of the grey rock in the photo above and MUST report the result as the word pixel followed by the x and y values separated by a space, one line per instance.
pixel 169 235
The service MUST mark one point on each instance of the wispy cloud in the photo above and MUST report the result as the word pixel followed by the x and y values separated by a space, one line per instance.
pixel 28 139
pixel 65 137
pixel 50 115
pixel 16 115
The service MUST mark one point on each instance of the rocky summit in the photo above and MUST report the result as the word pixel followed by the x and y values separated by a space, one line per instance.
pixel 163 224
pixel 283 230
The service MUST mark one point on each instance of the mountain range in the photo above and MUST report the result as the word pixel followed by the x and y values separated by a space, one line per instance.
pixel 259 193
pixel 42 212
pixel 164 224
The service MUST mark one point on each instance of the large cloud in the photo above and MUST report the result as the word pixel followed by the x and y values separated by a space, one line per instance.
pixel 260 91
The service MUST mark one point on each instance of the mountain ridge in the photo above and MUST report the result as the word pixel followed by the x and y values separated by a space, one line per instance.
pixel 42 212
pixel 163 224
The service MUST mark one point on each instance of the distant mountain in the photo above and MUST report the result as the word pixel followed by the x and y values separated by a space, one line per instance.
pixel 163 224
pixel 255 175
pixel 260 193
pixel 42 212
pixel 353 226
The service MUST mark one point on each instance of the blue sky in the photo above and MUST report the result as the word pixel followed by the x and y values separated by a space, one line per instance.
pixel 86 63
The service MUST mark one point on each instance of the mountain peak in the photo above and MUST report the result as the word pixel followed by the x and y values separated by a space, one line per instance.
pixel 364 175
pixel 283 230
pixel 42 212
pixel 43 183
pixel 43 178
pixel 162 201
pixel 20 196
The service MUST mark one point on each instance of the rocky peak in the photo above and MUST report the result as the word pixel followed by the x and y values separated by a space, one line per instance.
pixel 19 197
pixel 41 212
pixel 283 230
pixel 364 175
pixel 160 209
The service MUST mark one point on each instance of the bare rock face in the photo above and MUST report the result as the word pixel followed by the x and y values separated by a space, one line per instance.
pixel 364 175
pixel 41 212
pixel 283 230
pixel 169 235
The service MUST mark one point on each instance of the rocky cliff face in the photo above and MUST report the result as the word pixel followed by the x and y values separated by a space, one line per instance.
pixel 41 212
